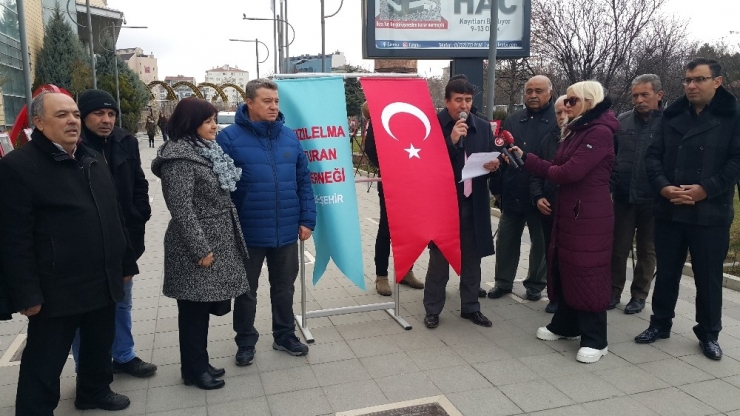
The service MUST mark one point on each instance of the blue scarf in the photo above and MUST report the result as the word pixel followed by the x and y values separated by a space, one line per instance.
pixel 223 165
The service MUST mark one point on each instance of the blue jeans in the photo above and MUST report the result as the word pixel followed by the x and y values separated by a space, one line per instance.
pixel 122 350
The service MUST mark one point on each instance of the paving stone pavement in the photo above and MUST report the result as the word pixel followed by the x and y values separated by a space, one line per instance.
pixel 366 359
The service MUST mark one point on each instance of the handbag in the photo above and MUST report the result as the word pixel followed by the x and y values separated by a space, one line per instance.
pixel 220 308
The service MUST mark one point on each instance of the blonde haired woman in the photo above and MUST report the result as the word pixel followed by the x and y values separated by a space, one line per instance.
pixel 583 220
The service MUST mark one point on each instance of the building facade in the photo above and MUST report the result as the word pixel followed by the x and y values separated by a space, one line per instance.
pixel 226 74
pixel 181 91
pixel 312 63
pixel 145 66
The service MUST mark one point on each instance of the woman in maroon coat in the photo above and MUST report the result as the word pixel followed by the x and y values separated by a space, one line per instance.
pixel 583 220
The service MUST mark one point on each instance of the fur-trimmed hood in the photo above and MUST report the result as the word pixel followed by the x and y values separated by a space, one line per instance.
pixel 601 114
pixel 723 104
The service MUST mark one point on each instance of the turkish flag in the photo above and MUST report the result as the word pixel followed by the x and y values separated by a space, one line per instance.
pixel 418 182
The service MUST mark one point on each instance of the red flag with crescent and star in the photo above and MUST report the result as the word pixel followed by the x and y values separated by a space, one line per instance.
pixel 418 182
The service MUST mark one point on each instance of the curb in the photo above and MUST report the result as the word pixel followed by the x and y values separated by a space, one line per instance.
pixel 728 281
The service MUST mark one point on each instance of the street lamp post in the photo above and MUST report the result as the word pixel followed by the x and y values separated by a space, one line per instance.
pixel 323 33
pixel 115 65
pixel 277 19
pixel 256 51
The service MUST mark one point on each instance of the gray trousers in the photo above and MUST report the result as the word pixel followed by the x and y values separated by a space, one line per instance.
pixel 628 219
pixel 508 250
pixel 438 272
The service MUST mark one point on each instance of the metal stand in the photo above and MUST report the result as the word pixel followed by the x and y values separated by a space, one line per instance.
pixel 392 308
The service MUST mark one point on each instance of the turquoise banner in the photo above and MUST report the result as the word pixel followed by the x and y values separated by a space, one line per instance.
pixel 315 109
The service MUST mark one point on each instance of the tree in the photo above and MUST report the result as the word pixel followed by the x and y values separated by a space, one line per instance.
pixel 353 93
pixel 437 90
pixel 60 55
pixel 609 41
pixel 134 95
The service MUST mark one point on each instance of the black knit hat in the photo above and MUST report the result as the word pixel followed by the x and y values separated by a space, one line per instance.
pixel 92 100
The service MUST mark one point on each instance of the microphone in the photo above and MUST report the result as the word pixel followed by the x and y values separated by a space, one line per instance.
pixel 508 140
pixel 463 116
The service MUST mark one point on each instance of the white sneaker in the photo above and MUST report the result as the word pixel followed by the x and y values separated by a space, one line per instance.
pixel 590 355
pixel 546 335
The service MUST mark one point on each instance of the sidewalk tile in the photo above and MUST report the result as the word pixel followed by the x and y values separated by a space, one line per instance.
pixel 716 393
pixel 535 395
pixel 485 402
pixel 309 402
pixel 672 401
pixel 354 395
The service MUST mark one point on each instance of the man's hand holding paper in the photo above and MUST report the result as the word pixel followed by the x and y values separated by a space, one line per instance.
pixel 479 164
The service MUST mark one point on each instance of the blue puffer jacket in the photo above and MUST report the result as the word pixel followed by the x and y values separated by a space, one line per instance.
pixel 274 195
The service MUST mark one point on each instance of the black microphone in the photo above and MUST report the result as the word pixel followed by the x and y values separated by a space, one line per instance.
pixel 463 116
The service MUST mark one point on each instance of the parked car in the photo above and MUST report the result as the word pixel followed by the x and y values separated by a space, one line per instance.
pixel 225 119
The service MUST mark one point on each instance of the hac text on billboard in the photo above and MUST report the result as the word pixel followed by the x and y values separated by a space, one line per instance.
pixel 444 29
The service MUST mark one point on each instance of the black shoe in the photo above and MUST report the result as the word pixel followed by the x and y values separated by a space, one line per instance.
pixel 534 294
pixel 205 381
pixel 216 372
pixel 711 349
pixel 213 371
pixel 650 335
pixel 111 401
pixel 482 293
pixel 635 305
pixel 477 318
pixel 551 307
pixel 136 367
pixel 615 301
pixel 244 356
pixel 291 345
pixel 431 320
pixel 497 292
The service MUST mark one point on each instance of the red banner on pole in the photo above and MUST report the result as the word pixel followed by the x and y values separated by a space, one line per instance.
pixel 417 177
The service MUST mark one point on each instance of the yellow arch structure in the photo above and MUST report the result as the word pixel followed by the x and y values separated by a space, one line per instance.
pixel 218 90
pixel 190 85
pixel 171 95
pixel 237 88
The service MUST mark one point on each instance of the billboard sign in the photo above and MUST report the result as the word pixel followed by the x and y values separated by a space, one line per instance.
pixel 444 29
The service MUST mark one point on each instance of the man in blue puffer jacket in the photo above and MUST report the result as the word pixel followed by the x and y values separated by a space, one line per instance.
pixel 276 207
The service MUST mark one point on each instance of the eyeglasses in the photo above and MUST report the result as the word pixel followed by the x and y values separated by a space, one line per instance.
pixel 695 80
pixel 571 101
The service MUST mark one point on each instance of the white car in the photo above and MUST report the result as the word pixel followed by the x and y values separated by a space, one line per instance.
pixel 225 119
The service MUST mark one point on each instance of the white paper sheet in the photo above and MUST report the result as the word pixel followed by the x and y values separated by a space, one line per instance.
pixel 474 165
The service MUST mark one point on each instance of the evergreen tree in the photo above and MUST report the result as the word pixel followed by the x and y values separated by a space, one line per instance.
pixel 60 53
pixel 134 95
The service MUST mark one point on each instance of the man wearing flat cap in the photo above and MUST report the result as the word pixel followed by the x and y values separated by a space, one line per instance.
pixel 98 112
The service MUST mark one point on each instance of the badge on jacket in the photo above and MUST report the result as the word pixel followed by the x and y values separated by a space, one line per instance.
pixel 589 146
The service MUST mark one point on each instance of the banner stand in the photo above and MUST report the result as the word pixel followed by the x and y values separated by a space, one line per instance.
pixel 392 308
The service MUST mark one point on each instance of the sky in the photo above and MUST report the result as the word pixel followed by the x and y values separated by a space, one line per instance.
pixel 188 38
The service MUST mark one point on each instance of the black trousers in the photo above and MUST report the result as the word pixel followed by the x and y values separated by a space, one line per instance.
pixel 151 140
pixel 383 238
pixel 708 247
pixel 47 348
pixel 282 270
pixel 546 221
pixel 568 322
pixel 192 323
pixel 438 271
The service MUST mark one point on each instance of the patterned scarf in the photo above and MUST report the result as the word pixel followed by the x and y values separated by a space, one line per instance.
pixel 223 165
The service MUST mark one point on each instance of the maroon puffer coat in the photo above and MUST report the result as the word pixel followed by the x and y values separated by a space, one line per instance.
pixel 583 214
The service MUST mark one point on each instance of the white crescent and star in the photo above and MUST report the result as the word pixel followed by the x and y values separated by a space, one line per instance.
pixel 400 107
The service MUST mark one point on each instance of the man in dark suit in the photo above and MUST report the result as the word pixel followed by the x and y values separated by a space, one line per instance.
pixel 693 161
pixel 64 256
pixel 98 111
pixel 463 135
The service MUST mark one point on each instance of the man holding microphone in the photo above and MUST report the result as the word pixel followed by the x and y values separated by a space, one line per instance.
pixel 464 135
